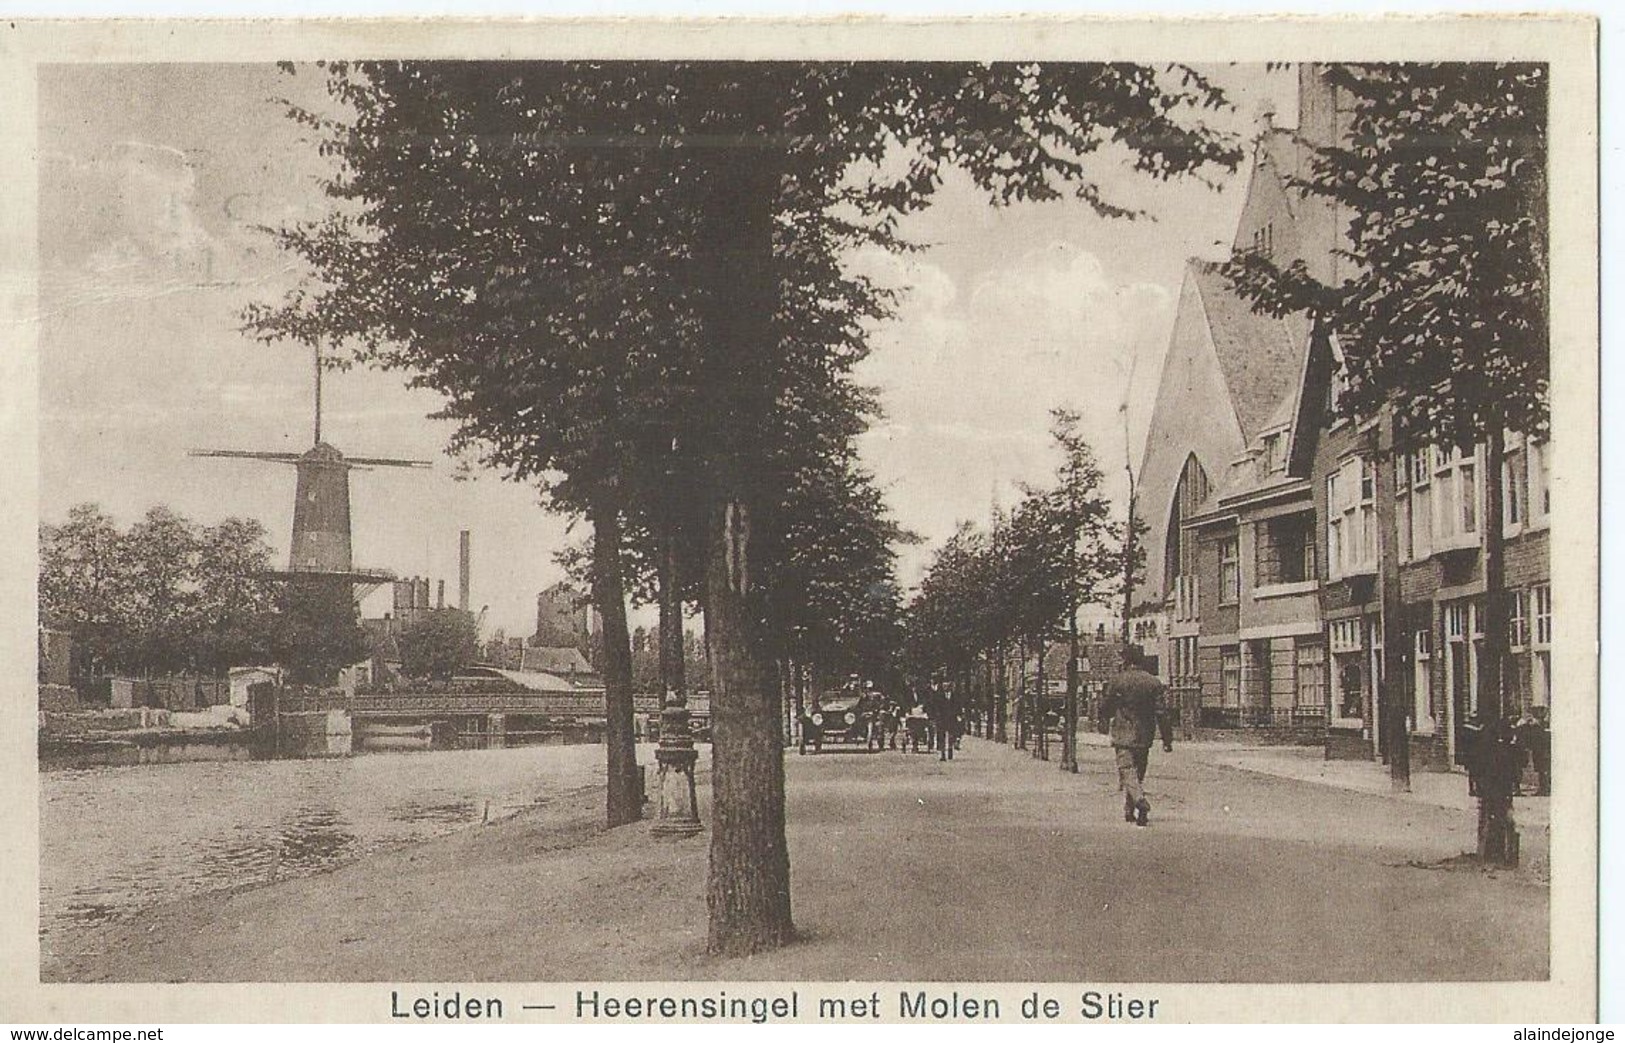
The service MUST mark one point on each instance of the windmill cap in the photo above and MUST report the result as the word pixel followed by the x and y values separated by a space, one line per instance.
pixel 323 453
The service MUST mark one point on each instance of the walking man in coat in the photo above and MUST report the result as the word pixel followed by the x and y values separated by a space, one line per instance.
pixel 1134 705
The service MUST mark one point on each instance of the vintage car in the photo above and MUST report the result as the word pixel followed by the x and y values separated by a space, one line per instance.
pixel 837 717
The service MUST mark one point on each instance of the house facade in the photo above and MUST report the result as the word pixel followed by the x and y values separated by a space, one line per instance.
pixel 1436 500
pixel 1229 603
pixel 1264 594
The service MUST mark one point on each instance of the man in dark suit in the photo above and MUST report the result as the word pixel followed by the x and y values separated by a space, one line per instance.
pixel 1134 706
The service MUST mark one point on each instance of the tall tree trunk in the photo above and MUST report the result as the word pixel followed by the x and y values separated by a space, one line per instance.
pixel 1001 692
pixel 625 796
pixel 1040 733
pixel 1069 716
pixel 1395 634
pixel 1069 713
pixel 1023 701
pixel 990 693
pixel 748 888
pixel 1497 833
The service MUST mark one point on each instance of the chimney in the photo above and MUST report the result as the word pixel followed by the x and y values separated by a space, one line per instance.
pixel 440 594
pixel 462 569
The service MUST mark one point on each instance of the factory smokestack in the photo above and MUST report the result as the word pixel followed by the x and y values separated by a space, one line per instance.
pixel 462 570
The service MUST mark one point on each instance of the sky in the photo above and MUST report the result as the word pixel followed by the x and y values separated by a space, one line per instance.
pixel 155 181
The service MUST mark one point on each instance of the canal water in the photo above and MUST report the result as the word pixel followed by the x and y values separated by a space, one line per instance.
pixel 116 839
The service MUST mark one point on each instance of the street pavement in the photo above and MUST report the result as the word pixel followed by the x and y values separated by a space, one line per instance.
pixel 994 866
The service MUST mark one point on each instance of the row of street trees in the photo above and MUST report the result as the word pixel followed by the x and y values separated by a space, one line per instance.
pixel 626 280
pixel 1012 590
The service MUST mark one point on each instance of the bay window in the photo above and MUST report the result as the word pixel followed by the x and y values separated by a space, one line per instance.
pixel 1351 519
pixel 1455 485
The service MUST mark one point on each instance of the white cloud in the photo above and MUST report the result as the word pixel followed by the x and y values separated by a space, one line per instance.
pixel 970 374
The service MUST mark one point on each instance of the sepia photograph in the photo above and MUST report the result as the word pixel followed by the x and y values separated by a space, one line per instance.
pixel 612 509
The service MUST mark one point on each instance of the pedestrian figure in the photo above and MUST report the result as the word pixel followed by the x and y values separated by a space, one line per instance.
pixel 1134 703
pixel 947 726
pixel 944 720
pixel 915 726
pixel 1536 739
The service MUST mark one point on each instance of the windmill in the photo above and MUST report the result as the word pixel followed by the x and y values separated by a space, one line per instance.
pixel 320 551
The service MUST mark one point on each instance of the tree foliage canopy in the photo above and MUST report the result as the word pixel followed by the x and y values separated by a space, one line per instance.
pixel 165 595
pixel 1015 584
pixel 1440 174
pixel 439 643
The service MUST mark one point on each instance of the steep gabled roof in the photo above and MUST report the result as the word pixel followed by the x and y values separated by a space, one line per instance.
pixel 1262 362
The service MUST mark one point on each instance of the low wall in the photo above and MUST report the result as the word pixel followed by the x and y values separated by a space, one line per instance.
pixel 1305 735
pixel 319 734
pixel 148 746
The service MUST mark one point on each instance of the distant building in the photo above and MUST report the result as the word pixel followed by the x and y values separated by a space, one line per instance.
pixel 565 619
pixel 411 599
pixel 242 678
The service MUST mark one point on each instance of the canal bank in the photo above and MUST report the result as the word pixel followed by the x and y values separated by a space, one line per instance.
pixel 905 868
pixel 117 841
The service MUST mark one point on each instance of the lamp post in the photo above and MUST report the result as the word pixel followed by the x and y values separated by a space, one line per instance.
pixel 678 814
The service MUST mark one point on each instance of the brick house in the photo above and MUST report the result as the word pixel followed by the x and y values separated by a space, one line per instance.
pixel 1437 502
pixel 1262 596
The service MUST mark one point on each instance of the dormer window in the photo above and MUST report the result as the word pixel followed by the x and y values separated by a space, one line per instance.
pixel 1274 458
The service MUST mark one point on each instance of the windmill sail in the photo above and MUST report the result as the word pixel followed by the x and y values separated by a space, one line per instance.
pixel 321 545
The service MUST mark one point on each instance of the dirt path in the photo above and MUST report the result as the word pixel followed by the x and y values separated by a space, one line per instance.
pixel 992 867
